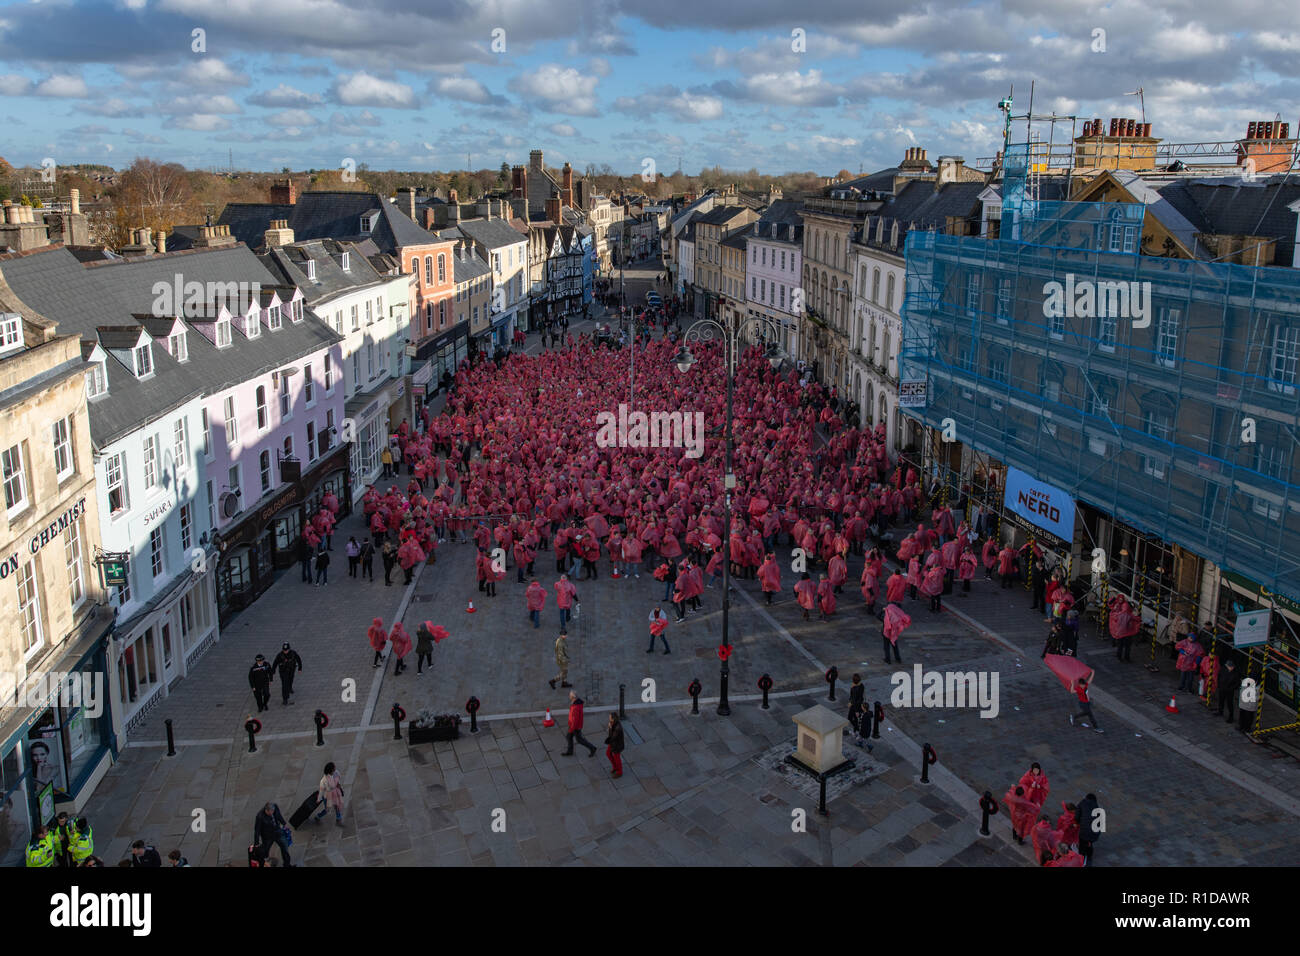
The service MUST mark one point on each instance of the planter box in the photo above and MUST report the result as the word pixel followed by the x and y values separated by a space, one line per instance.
pixel 424 735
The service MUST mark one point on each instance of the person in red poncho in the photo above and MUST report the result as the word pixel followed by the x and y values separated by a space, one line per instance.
pixel 805 592
pixel 896 622
pixel 1066 857
pixel 932 587
pixel 966 565
pixel 535 597
pixel 825 598
pixel 409 554
pixel 1123 625
pixel 895 588
pixel 1006 565
pixel 1022 811
pixel 836 572
pixel 378 638
pixel 1045 839
pixel 1034 782
pixel 870 586
pixel 990 558
pixel 401 642
pixel 769 576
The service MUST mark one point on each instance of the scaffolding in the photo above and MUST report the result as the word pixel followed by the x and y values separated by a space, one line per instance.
pixel 1164 392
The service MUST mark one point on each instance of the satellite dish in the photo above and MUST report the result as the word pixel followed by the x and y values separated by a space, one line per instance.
pixel 230 504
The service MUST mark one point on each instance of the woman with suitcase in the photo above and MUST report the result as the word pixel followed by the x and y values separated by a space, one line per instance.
pixel 330 794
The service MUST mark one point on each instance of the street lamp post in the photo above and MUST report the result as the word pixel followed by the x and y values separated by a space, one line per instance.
pixel 706 330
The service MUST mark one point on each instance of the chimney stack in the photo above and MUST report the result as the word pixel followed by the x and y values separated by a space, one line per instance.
pixel 519 182
pixel 535 160
pixel 406 201
pixel 284 193
pixel 566 196
pixel 278 235
pixel 554 210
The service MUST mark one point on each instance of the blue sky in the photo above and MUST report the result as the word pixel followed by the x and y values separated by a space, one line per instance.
pixel 821 85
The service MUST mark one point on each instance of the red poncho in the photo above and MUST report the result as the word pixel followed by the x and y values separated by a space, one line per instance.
pixel 376 634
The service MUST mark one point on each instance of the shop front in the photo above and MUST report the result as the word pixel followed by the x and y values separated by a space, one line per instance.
pixel 266 541
pixel 58 740
pixel 443 354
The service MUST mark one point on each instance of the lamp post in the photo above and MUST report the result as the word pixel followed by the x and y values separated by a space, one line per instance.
pixel 706 330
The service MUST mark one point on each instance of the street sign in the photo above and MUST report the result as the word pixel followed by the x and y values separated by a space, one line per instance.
pixel 912 393
pixel 113 569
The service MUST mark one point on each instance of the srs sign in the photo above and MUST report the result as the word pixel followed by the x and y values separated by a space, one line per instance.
pixel 1042 505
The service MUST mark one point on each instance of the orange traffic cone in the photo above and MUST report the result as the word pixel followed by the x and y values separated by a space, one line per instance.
pixel 1173 705
pixel 615 575
pixel 470 609
pixel 548 722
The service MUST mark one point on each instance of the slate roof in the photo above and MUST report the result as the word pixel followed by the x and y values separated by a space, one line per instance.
pixel 923 204
pixel 468 267
pixel 326 215
pixel 738 238
pixel 721 215
pixel 1229 206
pixel 491 233
pixel 82 298
pixel 289 264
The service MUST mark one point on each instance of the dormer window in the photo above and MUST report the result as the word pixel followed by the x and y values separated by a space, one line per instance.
pixel 178 347
pixel 368 223
pixel 223 333
pixel 311 269
pixel 96 381
pixel 273 318
pixel 295 310
pixel 252 328
pixel 345 262
pixel 143 355
pixel 11 332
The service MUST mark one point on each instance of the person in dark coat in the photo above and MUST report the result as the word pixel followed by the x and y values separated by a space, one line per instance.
pixel 368 560
pixel 1229 684
pixel 322 567
pixel 259 678
pixel 286 664
pixel 390 561
pixel 142 854
pixel 423 649
pixel 1091 826
pixel 268 828
pixel 304 559
pixel 614 745
pixel 857 691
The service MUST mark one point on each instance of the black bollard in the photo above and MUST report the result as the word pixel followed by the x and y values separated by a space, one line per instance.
pixel 990 807
pixel 831 676
pixel 694 691
pixel 724 708
pixel 471 708
pixel 821 801
pixel 171 738
pixel 321 721
pixel 765 684
pixel 398 716
pixel 879 715
pixel 252 725
pixel 928 757
pixel 622 712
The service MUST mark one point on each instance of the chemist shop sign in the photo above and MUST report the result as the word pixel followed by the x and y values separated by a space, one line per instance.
pixel 42 537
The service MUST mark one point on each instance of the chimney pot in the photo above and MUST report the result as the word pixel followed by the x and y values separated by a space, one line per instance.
pixel 160 242
pixel 74 200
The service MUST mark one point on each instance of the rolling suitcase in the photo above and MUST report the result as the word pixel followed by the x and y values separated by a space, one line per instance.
pixel 304 810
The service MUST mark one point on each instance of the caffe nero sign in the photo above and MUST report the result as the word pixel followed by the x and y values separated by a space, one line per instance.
pixel 43 537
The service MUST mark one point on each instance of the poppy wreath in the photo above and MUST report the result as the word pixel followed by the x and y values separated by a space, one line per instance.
pixel 397 712
pixel 322 719
pixel 724 651
pixel 765 683
pixel 253 724
pixel 695 688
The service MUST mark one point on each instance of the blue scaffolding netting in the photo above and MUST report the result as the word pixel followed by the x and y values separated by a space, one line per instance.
pixel 1161 391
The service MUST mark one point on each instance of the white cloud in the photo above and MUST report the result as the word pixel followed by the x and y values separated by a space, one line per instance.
pixel 563 129
pixel 200 103
pixel 284 95
pixel 199 122
pixel 362 89
pixel 62 85
pixel 464 88
pixel 113 107
pixel 559 89
pixel 211 73
pixel 292 118
pixel 685 105
pixel 11 84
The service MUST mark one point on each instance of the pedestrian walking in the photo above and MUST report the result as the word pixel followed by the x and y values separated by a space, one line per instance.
pixel 566 595
pixel 864 719
pixel 305 557
pixel 286 664
pixel 330 793
pixel 377 635
pixel 1229 684
pixel 322 567
pixel 259 678
pixel 401 642
pixel 857 692
pixel 896 622
pixel 354 557
pixel 1085 706
pixel 1036 785
pixel 1091 826
pixel 562 660
pixel 269 828
pixel 658 627
pixel 535 599
pixel 390 560
pixel 423 648
pixel 614 745
pixel 368 560
pixel 575 727
pixel 144 855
